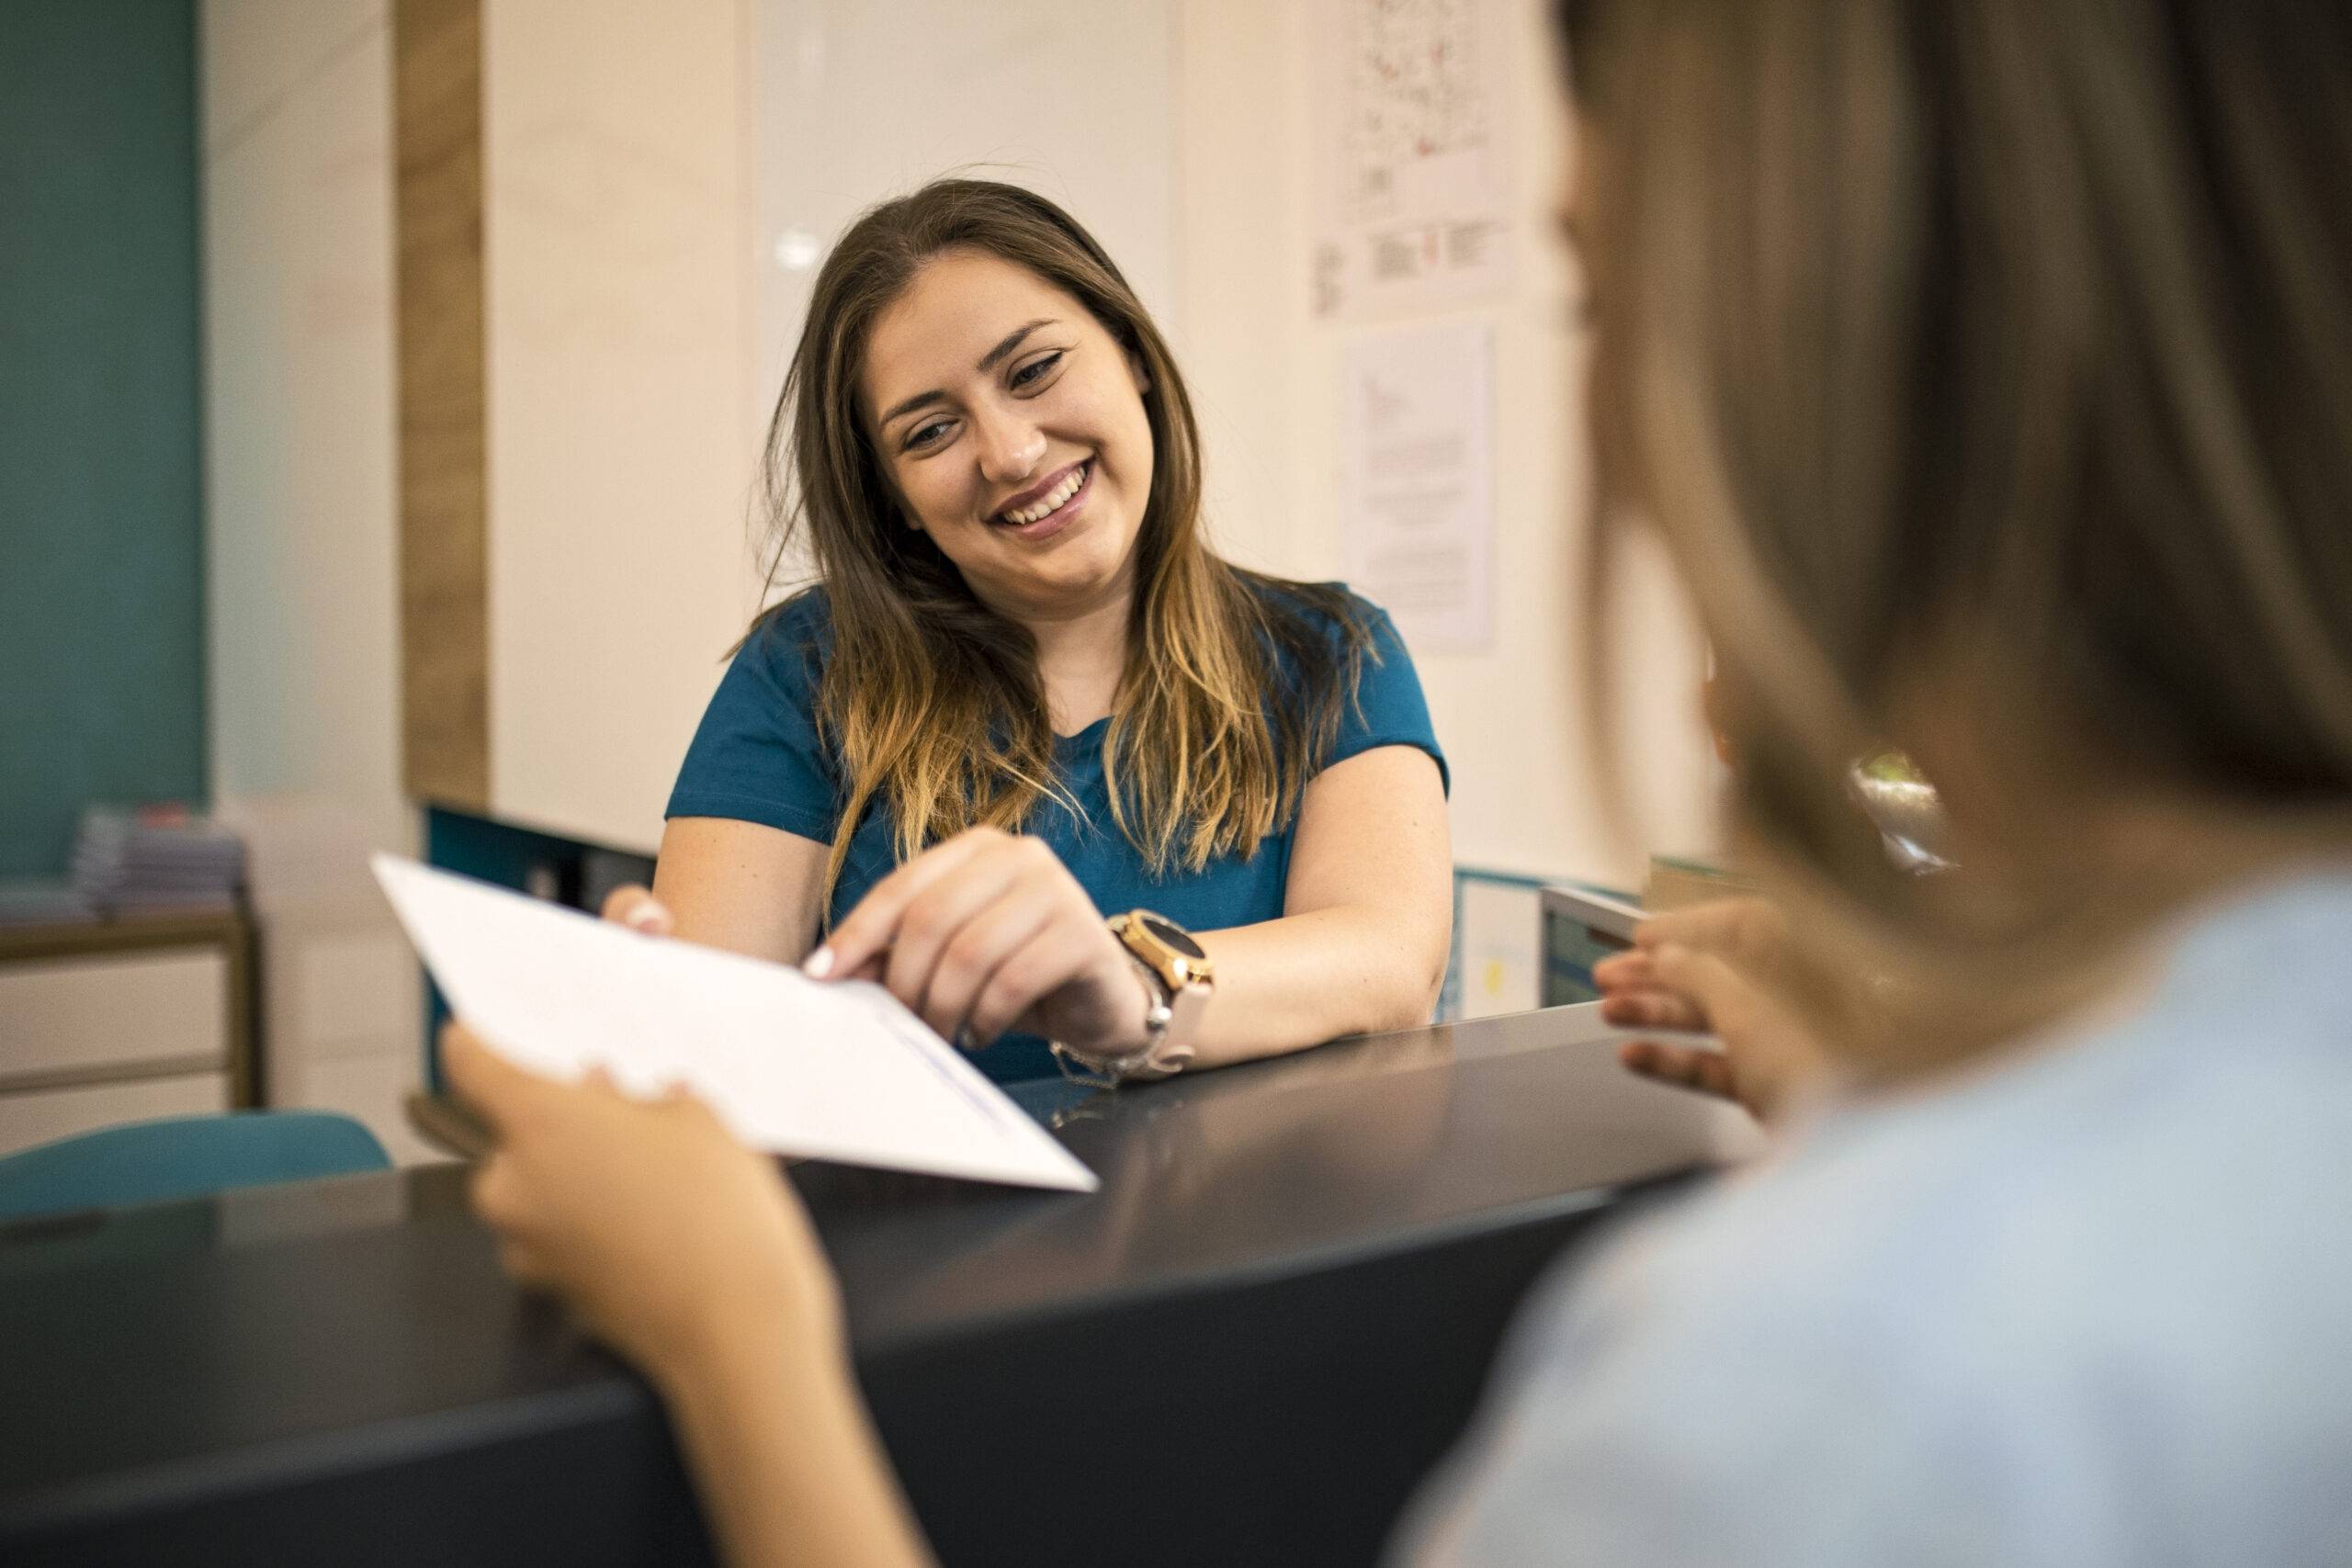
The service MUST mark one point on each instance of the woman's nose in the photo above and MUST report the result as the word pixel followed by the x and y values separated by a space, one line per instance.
pixel 1010 447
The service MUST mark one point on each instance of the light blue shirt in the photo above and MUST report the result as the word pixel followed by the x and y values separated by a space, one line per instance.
pixel 2092 1308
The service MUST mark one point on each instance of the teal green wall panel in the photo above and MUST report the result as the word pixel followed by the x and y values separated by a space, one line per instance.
pixel 101 529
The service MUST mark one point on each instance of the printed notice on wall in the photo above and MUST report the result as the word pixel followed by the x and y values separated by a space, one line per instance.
pixel 1416 480
pixel 1411 125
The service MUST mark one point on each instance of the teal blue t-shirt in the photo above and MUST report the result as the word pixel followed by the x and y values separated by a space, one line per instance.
pixel 758 758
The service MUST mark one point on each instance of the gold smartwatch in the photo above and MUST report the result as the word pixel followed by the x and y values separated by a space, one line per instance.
pixel 1179 979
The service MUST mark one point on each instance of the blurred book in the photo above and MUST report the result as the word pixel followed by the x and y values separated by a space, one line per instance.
pixel 43 901
pixel 157 860
pixel 1578 926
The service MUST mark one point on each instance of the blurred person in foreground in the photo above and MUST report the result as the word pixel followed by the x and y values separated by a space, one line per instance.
pixel 1988 369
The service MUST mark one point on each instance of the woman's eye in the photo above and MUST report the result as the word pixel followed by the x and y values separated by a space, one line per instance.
pixel 1036 370
pixel 927 436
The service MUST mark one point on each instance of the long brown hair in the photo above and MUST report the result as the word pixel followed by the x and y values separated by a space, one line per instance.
pixel 1986 365
pixel 1235 683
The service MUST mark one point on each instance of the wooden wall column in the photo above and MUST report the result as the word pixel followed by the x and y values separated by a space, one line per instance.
pixel 444 554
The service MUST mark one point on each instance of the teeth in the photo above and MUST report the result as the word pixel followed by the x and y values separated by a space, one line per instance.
pixel 1051 502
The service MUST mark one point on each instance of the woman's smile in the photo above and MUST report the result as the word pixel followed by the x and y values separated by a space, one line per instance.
pixel 1045 509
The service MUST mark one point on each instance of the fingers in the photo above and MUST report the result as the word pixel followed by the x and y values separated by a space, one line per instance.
pixel 1624 971
pixel 1061 951
pixel 1725 998
pixel 1726 967
pixel 497 1193
pixel 1752 931
pixel 505 1096
pixel 951 932
pixel 1707 1072
pixel 523 1266
pixel 971 961
pixel 502 1202
pixel 497 1089
pixel 933 924
pixel 637 909
pixel 1715 947
pixel 1653 1010
pixel 873 925
pixel 1633 996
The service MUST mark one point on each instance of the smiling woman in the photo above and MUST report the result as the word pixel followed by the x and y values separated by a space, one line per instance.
pixel 1025 696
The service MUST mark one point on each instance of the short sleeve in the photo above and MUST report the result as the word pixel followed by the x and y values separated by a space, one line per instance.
pixel 1389 709
pixel 757 757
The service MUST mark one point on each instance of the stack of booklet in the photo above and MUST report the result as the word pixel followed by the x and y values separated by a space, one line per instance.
pixel 157 860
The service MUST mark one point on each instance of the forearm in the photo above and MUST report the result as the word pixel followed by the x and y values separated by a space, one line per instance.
pixel 786 1461
pixel 1303 979
pixel 740 887
pixel 1363 943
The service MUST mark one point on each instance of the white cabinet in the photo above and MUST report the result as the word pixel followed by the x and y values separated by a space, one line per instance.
pixel 65 1018
pixel 121 1021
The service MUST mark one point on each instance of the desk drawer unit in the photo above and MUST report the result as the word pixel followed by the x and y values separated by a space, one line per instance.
pixel 89 1040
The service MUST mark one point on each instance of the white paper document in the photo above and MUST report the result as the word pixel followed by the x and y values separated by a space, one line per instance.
pixel 1413 117
pixel 1417 485
pixel 835 1071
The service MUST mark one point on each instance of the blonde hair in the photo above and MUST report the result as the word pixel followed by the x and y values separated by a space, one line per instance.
pixel 1235 683
pixel 1988 369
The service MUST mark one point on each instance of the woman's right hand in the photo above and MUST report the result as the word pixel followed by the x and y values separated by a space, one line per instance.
pixel 1719 968
pixel 678 1245
pixel 639 910
pixel 986 932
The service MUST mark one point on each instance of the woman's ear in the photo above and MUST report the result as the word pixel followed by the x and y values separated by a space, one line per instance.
pixel 1141 373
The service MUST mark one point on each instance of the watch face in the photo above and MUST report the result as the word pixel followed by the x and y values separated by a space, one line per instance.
pixel 1176 937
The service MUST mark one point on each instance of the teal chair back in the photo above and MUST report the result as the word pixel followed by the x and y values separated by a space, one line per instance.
pixel 184 1156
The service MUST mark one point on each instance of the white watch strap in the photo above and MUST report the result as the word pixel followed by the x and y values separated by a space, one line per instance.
pixel 1173 1024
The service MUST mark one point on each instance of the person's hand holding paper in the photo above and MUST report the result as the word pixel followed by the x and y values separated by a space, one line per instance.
pixel 838 1072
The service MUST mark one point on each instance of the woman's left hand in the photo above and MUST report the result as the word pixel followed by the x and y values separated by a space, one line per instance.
pixel 1722 968
pixel 988 933
pixel 677 1244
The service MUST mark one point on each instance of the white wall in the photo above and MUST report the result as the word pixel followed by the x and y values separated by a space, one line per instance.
pixel 302 634
pixel 299 412
pixel 1265 372
pixel 858 101
pixel 617 317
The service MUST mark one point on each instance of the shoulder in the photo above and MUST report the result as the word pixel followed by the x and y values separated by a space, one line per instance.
pixel 759 754
pixel 1332 611
pixel 1343 664
pixel 800 622
pixel 1327 631
pixel 1961 1284
pixel 2008 1217
pixel 791 642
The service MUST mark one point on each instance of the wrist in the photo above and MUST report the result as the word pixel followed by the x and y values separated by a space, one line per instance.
pixel 1140 1034
pixel 741 1336
pixel 1175 976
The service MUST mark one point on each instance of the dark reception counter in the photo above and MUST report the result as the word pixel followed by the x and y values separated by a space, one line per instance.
pixel 1246 1347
